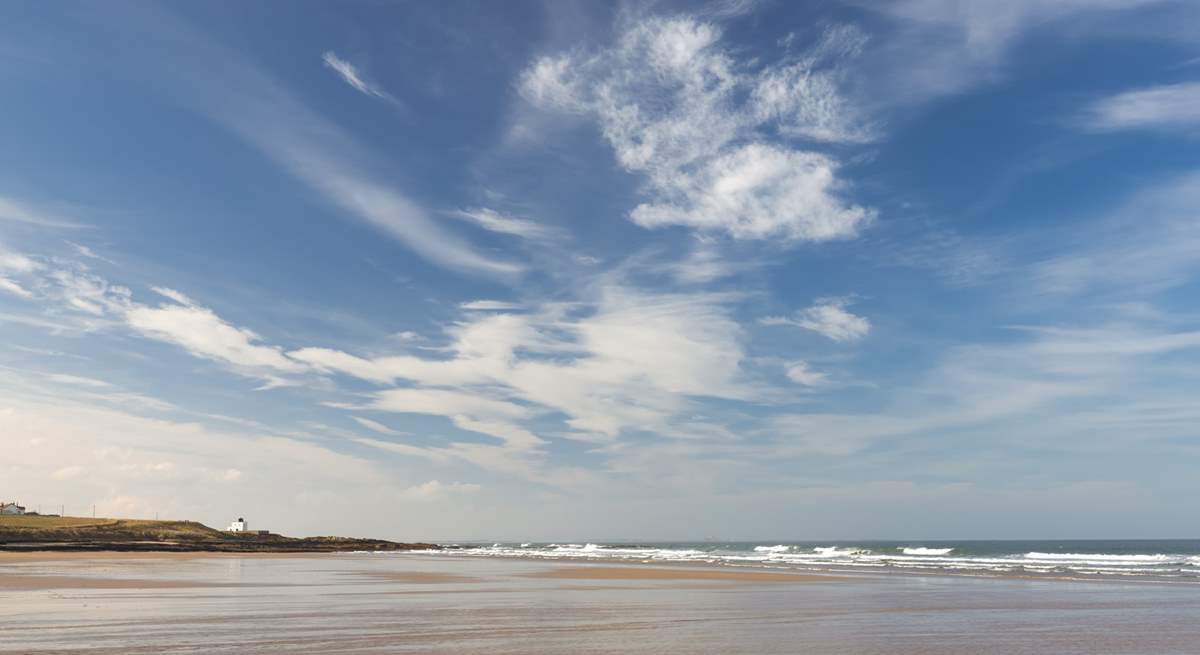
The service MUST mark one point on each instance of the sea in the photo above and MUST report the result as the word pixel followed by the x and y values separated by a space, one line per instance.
pixel 1165 560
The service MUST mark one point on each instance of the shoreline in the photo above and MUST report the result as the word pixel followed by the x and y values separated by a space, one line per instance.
pixel 832 572
pixel 596 569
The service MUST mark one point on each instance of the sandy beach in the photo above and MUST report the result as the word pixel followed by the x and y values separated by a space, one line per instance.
pixel 390 603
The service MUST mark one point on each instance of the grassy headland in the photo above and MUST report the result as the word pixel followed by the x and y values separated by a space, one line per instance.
pixel 57 533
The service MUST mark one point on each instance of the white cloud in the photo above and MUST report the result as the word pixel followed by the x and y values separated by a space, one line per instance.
pixel 68 472
pixel 804 102
pixel 431 454
pixel 1065 342
pixel 1061 384
pixel 627 360
pixel 89 293
pixel 757 192
pixel 483 347
pixel 489 306
pixel 173 295
pixel 376 426
pixel 435 490
pixel 351 75
pixel 17 263
pixel 1145 245
pixel 204 334
pixel 85 251
pixel 381 206
pixel 11 286
pixel 77 380
pixel 491 220
pixel 12 210
pixel 947 46
pixel 1165 107
pixel 249 472
pixel 551 81
pixel 828 317
pixel 443 402
pixel 676 106
pixel 256 107
pixel 513 436
pixel 327 360
pixel 801 373
pixel 702 265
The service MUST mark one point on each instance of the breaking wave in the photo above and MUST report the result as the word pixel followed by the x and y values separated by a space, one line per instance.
pixel 965 557
pixel 920 550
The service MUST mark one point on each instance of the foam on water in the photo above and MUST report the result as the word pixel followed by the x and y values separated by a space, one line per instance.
pixel 991 558
pixel 772 549
pixel 1099 557
pixel 920 550
pixel 834 551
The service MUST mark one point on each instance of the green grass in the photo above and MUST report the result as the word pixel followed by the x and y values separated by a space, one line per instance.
pixel 73 527
pixel 50 521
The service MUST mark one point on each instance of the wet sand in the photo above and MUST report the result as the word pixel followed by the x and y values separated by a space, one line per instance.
pixel 682 572
pixel 69 582
pixel 404 603
pixel 10 557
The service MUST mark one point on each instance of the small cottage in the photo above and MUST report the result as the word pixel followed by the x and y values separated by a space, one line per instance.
pixel 11 509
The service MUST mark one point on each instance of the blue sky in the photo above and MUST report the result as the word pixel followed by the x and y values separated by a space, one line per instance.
pixel 546 271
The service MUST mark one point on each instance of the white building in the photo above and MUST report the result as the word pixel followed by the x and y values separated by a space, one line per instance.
pixel 238 525
pixel 11 509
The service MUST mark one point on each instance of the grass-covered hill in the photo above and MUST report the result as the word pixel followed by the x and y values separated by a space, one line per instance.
pixel 30 533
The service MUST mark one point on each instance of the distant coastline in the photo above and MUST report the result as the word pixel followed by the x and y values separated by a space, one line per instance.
pixel 34 533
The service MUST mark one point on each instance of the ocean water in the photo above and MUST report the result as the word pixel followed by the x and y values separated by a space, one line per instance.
pixel 1168 560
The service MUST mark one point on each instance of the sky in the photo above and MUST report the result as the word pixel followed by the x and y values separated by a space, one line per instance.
pixel 542 271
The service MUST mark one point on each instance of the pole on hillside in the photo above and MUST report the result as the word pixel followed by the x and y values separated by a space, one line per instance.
pixel 93 511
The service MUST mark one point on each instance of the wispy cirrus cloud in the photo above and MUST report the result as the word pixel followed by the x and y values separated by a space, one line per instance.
pixel 802 373
pixel 13 287
pixel 629 362
pixel 1070 386
pixel 22 212
pixel 490 306
pixel 204 334
pixel 435 490
pixel 941 47
pixel 827 317
pixel 624 360
pixel 1145 245
pixel 1164 107
pixel 376 426
pixel 355 78
pixel 252 104
pixel 78 380
pixel 17 263
pixel 494 221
